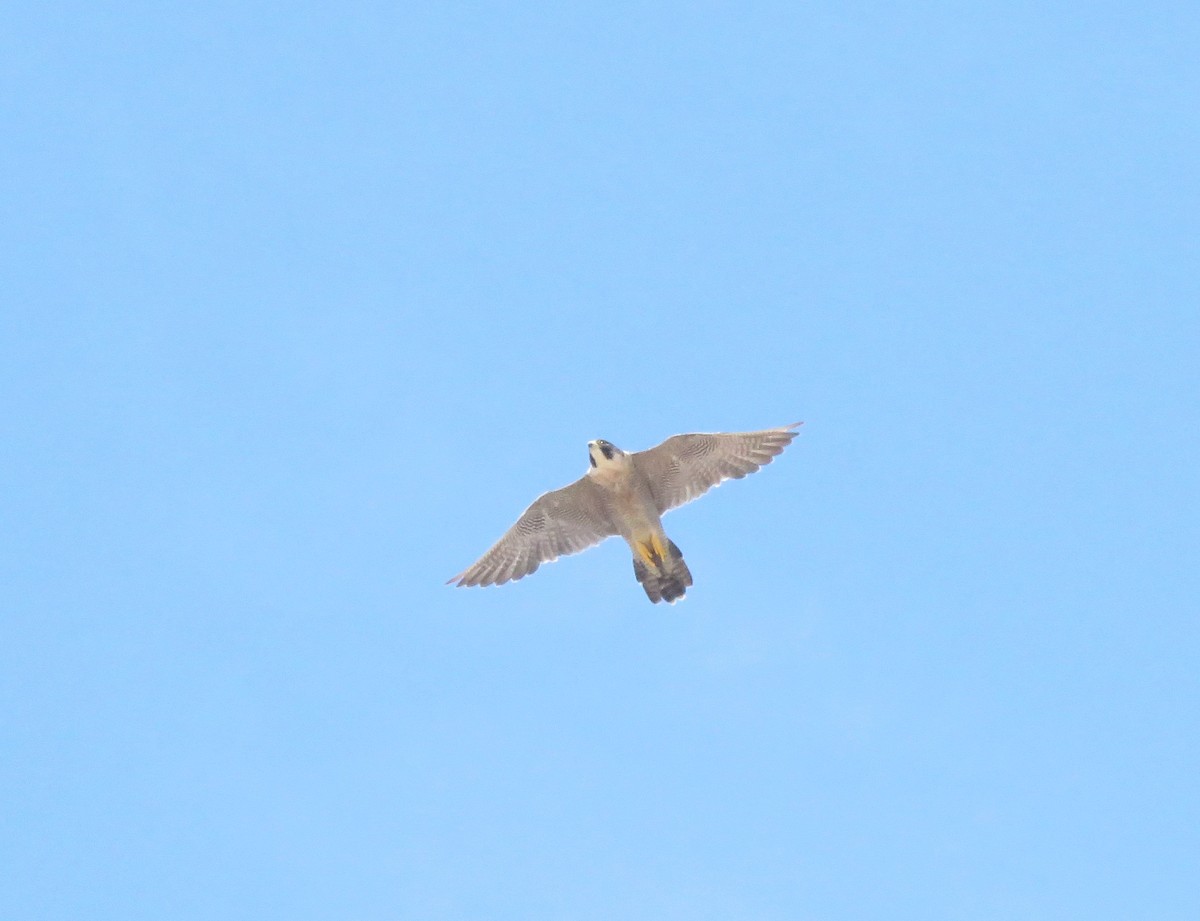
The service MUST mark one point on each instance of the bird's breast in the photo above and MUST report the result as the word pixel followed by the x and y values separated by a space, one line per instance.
pixel 629 502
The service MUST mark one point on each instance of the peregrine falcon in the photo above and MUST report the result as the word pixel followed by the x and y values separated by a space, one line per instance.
pixel 627 494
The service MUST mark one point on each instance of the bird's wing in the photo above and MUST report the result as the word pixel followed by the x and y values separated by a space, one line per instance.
pixel 686 466
pixel 563 521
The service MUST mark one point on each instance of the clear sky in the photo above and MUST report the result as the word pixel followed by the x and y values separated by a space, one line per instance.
pixel 302 304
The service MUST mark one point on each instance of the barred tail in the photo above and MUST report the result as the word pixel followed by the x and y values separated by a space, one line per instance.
pixel 665 578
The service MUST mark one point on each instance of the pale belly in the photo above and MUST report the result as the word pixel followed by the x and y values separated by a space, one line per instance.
pixel 633 508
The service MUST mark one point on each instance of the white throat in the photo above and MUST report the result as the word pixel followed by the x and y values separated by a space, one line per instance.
pixel 604 468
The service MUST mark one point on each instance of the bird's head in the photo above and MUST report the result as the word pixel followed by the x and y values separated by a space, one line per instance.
pixel 603 454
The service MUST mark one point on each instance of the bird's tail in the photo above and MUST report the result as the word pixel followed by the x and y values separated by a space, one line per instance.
pixel 659 567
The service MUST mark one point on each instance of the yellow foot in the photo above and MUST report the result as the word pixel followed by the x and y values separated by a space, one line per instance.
pixel 653 551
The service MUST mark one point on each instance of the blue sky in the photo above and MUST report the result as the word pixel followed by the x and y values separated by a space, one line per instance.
pixel 304 303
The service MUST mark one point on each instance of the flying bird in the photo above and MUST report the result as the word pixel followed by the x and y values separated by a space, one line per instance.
pixel 627 494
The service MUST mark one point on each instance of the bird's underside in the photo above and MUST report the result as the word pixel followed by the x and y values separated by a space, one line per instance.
pixel 626 495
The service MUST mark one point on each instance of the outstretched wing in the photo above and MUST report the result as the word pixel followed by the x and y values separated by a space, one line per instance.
pixel 564 521
pixel 686 466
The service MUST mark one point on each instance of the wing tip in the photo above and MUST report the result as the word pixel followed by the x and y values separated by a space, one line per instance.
pixel 465 580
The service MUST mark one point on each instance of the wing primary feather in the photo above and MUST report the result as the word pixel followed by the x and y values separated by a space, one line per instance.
pixel 685 467
pixel 559 522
